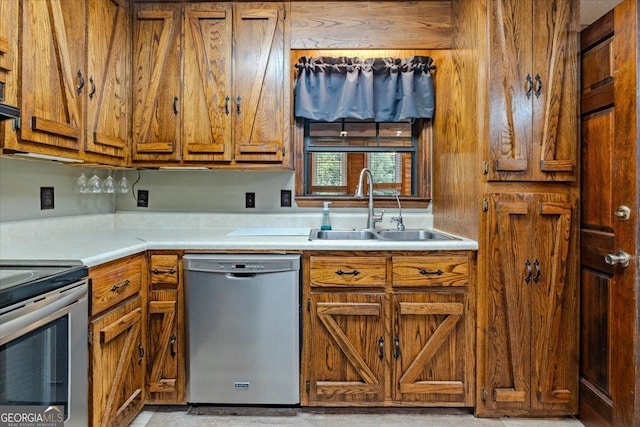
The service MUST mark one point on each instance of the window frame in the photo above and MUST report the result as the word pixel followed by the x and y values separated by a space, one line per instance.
pixel 422 171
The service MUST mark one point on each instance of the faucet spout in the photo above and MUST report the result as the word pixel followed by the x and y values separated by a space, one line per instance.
pixel 372 218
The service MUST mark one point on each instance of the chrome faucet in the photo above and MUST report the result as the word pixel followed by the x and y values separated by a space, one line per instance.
pixel 398 219
pixel 372 218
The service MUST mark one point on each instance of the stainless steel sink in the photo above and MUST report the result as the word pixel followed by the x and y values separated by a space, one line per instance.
pixel 364 234
pixel 411 234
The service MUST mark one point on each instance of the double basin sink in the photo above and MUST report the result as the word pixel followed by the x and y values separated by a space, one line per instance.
pixel 407 235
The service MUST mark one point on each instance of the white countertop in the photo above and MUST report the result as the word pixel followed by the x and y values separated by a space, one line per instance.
pixel 96 239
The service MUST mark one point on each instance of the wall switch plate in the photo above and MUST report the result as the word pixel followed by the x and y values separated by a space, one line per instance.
pixel 143 198
pixel 250 200
pixel 285 198
pixel 46 198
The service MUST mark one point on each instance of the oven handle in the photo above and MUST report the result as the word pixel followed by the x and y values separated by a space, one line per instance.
pixel 56 307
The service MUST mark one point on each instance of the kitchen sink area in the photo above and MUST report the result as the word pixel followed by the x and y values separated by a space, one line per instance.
pixel 408 235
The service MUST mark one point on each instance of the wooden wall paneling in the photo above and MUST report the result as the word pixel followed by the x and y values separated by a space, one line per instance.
pixel 371 24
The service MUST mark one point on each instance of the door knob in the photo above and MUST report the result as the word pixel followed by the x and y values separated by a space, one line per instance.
pixel 623 213
pixel 621 258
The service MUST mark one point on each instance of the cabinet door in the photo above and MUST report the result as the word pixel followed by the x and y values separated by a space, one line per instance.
pixel 532 90
pixel 554 306
pixel 259 82
pixel 53 75
pixel 431 346
pixel 117 365
pixel 156 82
pixel 208 110
pixel 508 335
pixel 531 337
pixel 347 348
pixel 108 91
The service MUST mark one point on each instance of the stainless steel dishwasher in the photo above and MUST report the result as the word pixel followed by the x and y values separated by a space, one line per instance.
pixel 243 335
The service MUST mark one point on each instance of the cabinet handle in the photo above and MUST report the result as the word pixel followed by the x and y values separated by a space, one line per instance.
pixel 169 271
pixel 527 277
pixel 172 345
pixel 381 348
pixel 529 86
pixel 538 88
pixel 621 258
pixel 226 105
pixel 80 82
pixel 536 264
pixel 141 352
pixel 238 99
pixel 175 105
pixel 93 87
pixel 396 345
pixel 118 288
pixel 429 272
pixel 354 272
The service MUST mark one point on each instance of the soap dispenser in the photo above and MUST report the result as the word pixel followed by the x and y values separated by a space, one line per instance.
pixel 326 223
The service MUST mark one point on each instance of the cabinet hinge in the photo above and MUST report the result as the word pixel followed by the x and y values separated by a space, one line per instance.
pixel 308 304
pixel 485 205
pixel 308 386
pixel 484 395
pixel 284 14
pixel 485 168
pixel 284 151
pixel 90 338
pixel 17 123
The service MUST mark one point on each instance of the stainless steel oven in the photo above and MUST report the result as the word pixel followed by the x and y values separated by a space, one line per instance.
pixel 43 338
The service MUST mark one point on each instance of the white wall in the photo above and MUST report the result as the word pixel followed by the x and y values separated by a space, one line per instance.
pixel 20 182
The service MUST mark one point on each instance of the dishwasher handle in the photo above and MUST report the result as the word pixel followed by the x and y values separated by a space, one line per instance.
pixel 240 275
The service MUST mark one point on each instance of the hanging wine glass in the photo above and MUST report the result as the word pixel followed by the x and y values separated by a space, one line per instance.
pixel 94 185
pixel 109 184
pixel 123 184
pixel 81 185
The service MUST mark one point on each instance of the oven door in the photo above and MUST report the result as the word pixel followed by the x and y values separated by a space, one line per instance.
pixel 43 353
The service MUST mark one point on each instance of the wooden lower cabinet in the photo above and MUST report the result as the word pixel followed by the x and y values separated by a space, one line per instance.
pixel 165 376
pixel 117 367
pixel 382 343
pixel 116 342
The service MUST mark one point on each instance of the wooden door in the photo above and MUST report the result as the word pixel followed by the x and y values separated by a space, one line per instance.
pixel 258 103
pixel 507 339
pixel 532 85
pixel 347 349
pixel 163 378
pixel 117 365
pixel 53 75
pixel 430 349
pixel 108 92
pixel 207 107
pixel 156 82
pixel 609 349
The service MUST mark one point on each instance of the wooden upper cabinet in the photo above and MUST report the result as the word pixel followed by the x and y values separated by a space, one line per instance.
pixel 532 340
pixel 108 78
pixel 533 56
pixel 259 82
pixel 207 114
pixel 53 77
pixel 156 82
pixel 209 84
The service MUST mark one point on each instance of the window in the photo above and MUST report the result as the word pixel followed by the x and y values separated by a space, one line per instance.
pixel 334 153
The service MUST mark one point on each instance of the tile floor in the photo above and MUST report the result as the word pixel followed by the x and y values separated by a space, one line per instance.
pixel 307 417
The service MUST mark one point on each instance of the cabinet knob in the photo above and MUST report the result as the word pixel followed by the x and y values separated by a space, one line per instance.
pixel 623 213
pixel 621 258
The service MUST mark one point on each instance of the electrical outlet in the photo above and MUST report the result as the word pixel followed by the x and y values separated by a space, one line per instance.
pixel 143 198
pixel 46 198
pixel 250 200
pixel 285 198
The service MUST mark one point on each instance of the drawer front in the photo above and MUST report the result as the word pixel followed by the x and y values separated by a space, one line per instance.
pixel 113 283
pixel 164 270
pixel 348 271
pixel 433 270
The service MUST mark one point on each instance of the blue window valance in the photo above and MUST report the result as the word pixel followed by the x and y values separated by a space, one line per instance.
pixel 381 89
